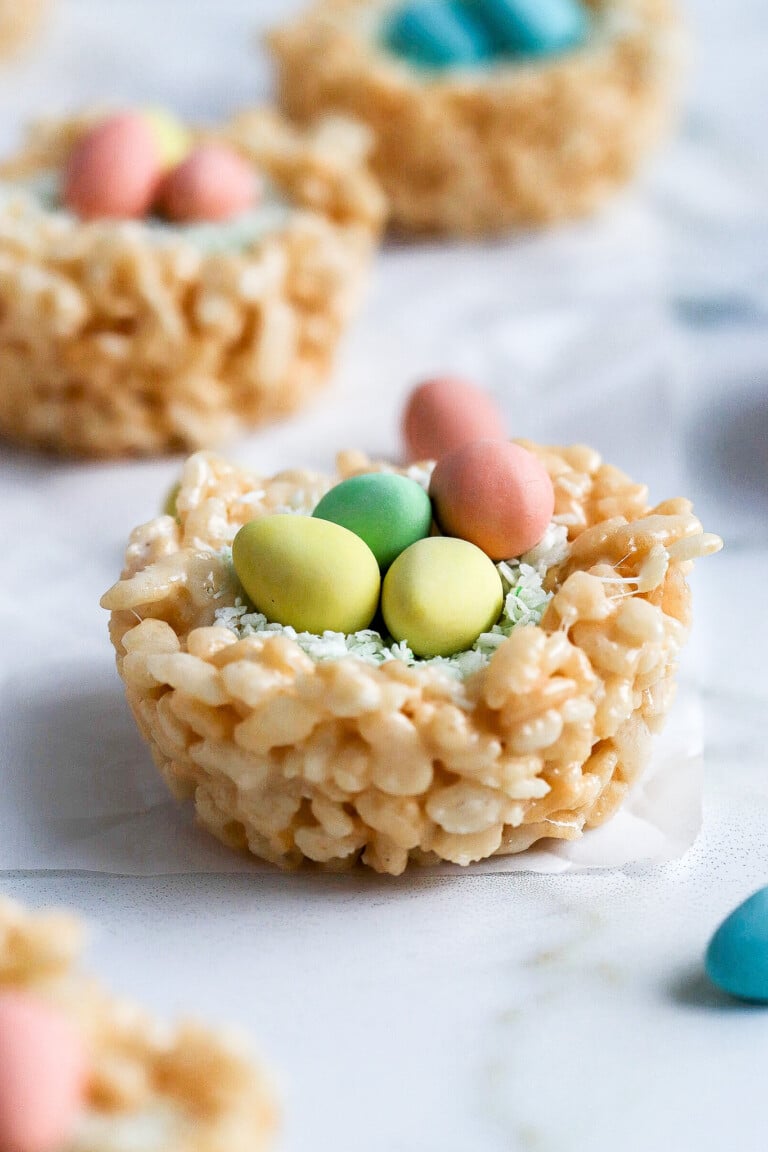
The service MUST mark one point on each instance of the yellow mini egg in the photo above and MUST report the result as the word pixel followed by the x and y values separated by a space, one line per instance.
pixel 311 574
pixel 172 138
pixel 440 595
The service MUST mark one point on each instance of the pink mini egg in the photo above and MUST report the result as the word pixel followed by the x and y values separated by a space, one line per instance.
pixel 113 171
pixel 444 413
pixel 213 183
pixel 495 494
pixel 42 1075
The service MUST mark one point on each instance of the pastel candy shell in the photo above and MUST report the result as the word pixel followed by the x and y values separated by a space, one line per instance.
pixel 172 139
pixel 737 956
pixel 436 34
pixel 495 494
pixel 387 511
pixel 113 171
pixel 214 183
pixel 310 574
pixel 534 27
pixel 440 595
pixel 42 1075
pixel 169 504
pixel 446 412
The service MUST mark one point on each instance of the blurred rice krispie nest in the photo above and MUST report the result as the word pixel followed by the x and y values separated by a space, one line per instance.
pixel 182 1090
pixel 474 152
pixel 339 760
pixel 115 342
pixel 19 21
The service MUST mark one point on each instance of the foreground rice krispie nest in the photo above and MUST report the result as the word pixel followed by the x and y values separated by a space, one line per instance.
pixel 19 21
pixel 116 342
pixel 469 153
pixel 341 760
pixel 183 1090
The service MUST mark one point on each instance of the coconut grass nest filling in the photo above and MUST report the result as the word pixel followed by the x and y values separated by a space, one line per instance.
pixel 394 760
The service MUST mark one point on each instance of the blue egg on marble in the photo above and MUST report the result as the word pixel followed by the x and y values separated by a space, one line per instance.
pixel 438 34
pixel 737 956
pixel 534 27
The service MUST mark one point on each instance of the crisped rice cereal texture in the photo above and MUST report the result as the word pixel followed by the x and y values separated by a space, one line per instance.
pixel 114 343
pixel 469 153
pixel 172 1090
pixel 342 760
pixel 19 21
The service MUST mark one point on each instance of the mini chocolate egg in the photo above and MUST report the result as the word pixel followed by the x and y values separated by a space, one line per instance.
pixel 311 574
pixel 169 504
pixel 737 956
pixel 437 34
pixel 172 139
pixel 388 511
pixel 440 595
pixel 113 171
pixel 534 27
pixel 42 1075
pixel 444 413
pixel 213 183
pixel 496 494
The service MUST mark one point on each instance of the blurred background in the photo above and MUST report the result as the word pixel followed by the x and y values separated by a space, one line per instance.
pixel 642 331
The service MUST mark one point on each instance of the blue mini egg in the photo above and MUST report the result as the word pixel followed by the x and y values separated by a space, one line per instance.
pixel 737 956
pixel 437 34
pixel 533 27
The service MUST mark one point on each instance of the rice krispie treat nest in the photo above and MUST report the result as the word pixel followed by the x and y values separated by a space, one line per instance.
pixel 19 21
pixel 137 337
pixel 476 151
pixel 148 1086
pixel 341 748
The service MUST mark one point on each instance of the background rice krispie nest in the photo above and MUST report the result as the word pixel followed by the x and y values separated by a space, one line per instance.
pixel 185 1090
pixel 476 152
pixel 114 341
pixel 19 21
pixel 341 760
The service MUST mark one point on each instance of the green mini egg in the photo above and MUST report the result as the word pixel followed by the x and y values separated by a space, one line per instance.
pixel 311 574
pixel 388 511
pixel 440 595
pixel 169 506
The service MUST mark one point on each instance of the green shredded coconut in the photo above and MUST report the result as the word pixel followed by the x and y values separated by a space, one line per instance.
pixel 524 603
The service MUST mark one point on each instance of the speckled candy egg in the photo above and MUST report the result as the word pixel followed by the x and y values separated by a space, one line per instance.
pixel 42 1075
pixel 444 413
pixel 389 512
pixel 113 171
pixel 311 574
pixel 496 494
pixel 440 595
pixel 213 183
pixel 737 957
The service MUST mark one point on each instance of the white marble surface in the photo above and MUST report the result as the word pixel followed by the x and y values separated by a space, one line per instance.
pixel 439 1014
